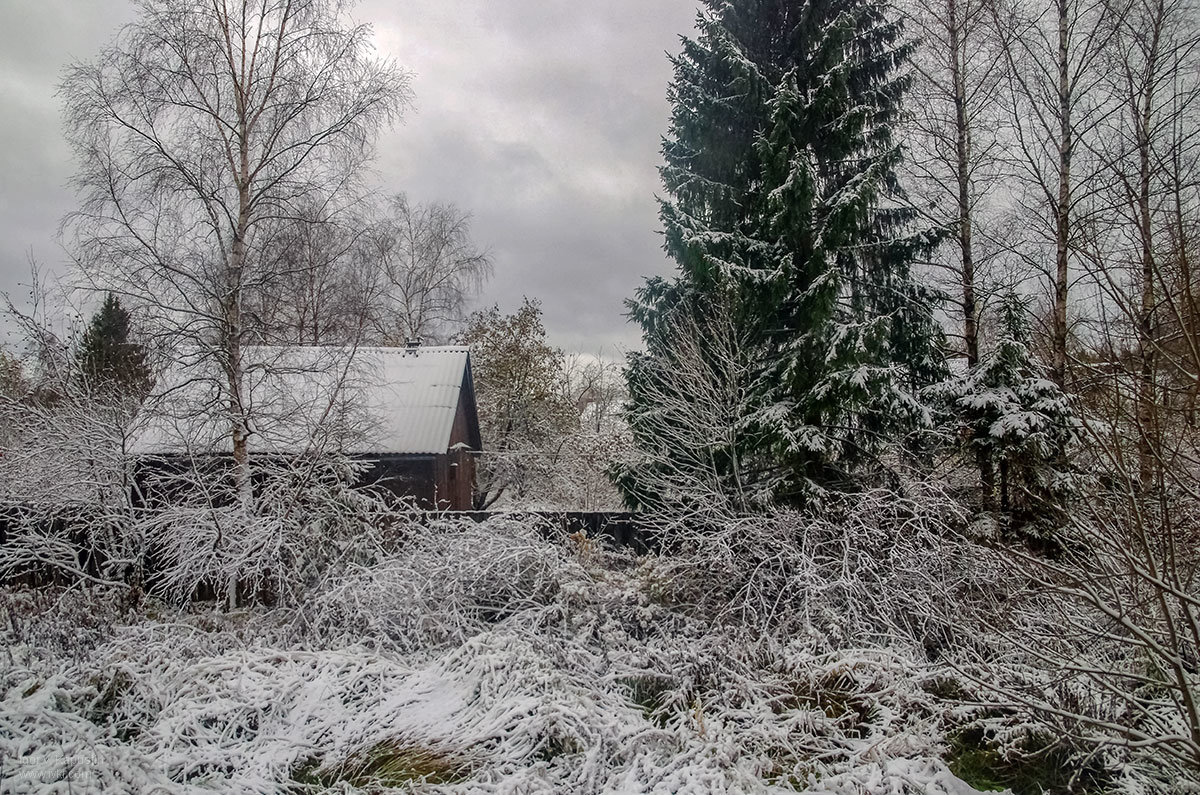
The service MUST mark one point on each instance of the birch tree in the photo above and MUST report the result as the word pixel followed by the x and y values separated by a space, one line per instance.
pixel 955 149
pixel 956 156
pixel 204 127
pixel 428 270
pixel 1137 248
pixel 1055 106
pixel 320 281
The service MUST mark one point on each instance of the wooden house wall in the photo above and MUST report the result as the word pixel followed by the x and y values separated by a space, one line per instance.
pixel 455 478
pixel 406 476
pixel 457 488
pixel 435 482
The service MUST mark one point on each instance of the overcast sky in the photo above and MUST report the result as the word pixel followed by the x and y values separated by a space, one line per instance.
pixel 540 117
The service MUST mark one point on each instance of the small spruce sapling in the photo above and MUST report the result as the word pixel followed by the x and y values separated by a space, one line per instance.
pixel 1010 414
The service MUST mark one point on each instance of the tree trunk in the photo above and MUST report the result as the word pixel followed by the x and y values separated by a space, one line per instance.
pixel 1190 312
pixel 1147 322
pixel 1005 506
pixel 987 479
pixel 962 141
pixel 962 147
pixel 240 431
pixel 1062 221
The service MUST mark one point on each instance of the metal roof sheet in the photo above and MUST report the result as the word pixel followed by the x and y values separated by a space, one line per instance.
pixel 358 400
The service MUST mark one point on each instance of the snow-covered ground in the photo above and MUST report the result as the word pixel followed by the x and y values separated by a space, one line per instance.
pixel 479 659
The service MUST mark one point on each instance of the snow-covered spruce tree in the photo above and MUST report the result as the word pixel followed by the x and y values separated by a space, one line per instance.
pixel 781 190
pixel 1012 416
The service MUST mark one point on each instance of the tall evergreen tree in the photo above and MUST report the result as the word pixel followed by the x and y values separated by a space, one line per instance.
pixel 109 359
pixel 781 196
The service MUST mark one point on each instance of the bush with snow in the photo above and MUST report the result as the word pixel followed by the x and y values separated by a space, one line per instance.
pixel 827 653
pixel 477 658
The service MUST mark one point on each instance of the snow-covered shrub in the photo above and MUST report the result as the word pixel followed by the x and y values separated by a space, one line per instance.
pixel 1097 643
pixel 50 626
pixel 305 518
pixel 587 685
pixel 64 489
pixel 882 568
pixel 183 534
pixel 694 420
pixel 450 581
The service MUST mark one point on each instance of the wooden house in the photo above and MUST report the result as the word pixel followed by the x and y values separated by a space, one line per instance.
pixel 407 414
pixel 427 441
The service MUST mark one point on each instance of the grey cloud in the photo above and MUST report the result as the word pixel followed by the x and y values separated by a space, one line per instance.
pixel 550 130
pixel 541 117
pixel 37 41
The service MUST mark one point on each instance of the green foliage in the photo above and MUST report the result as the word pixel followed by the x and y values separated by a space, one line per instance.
pixel 840 698
pixel 782 198
pixel 1036 765
pixel 652 693
pixel 553 746
pixel 12 377
pixel 517 375
pixel 109 359
pixel 519 393
pixel 390 763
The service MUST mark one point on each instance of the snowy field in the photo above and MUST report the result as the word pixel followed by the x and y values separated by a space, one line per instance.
pixel 485 658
